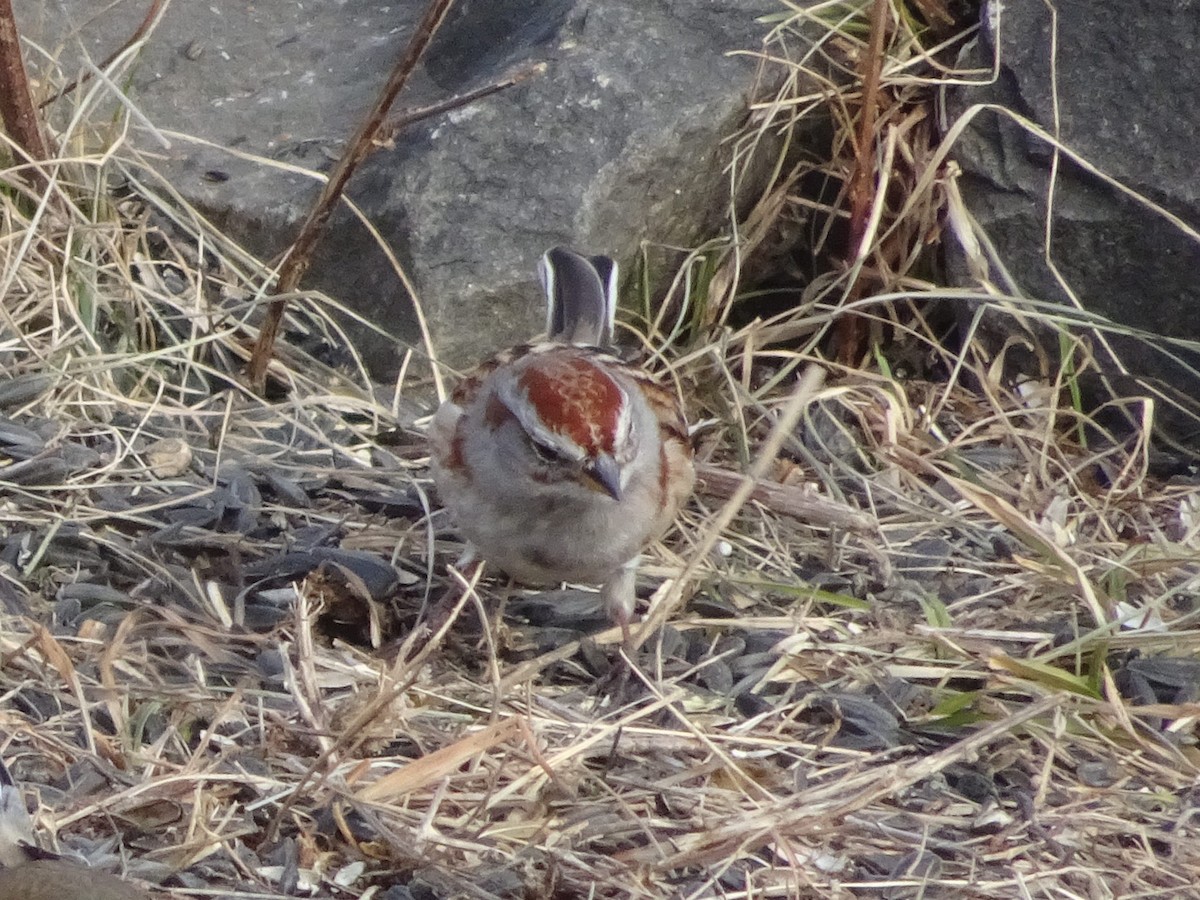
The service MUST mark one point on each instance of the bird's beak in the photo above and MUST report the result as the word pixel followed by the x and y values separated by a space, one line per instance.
pixel 602 474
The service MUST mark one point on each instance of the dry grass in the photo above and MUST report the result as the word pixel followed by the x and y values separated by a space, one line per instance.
pixel 947 649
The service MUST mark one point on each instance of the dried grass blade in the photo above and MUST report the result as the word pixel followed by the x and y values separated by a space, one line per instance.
pixel 1012 519
pixel 434 766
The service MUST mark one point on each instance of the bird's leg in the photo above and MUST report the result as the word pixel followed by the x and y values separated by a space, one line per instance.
pixel 468 556
pixel 619 596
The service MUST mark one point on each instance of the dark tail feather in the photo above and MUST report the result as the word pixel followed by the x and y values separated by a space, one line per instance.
pixel 581 296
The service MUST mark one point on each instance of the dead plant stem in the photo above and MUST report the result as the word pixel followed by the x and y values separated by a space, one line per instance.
pixel 851 329
pixel 361 144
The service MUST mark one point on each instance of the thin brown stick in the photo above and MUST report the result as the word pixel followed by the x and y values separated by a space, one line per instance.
pixel 785 499
pixel 398 123
pixel 361 145
pixel 851 328
pixel 16 106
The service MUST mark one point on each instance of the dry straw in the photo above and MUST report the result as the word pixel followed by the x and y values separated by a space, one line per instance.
pixel 943 644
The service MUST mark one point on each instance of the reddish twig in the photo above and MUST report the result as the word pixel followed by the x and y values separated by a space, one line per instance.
pixel 851 328
pixel 360 146
pixel 398 123
pixel 16 105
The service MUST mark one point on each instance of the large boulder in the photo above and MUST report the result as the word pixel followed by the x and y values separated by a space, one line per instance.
pixel 1124 88
pixel 617 142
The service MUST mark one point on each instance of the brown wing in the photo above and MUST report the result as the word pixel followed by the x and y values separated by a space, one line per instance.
pixel 467 389
pixel 677 473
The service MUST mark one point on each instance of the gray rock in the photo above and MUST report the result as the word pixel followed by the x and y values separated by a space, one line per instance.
pixel 616 143
pixel 1126 83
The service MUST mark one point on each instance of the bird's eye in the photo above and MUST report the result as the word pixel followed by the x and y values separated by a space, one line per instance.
pixel 547 453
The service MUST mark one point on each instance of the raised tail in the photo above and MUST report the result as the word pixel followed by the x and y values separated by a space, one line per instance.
pixel 581 296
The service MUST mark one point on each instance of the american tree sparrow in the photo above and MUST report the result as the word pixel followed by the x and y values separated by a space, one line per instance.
pixel 559 461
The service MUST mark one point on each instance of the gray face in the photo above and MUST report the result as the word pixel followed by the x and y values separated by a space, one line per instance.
pixel 564 422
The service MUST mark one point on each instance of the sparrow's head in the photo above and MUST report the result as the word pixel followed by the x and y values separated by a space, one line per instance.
pixel 574 418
